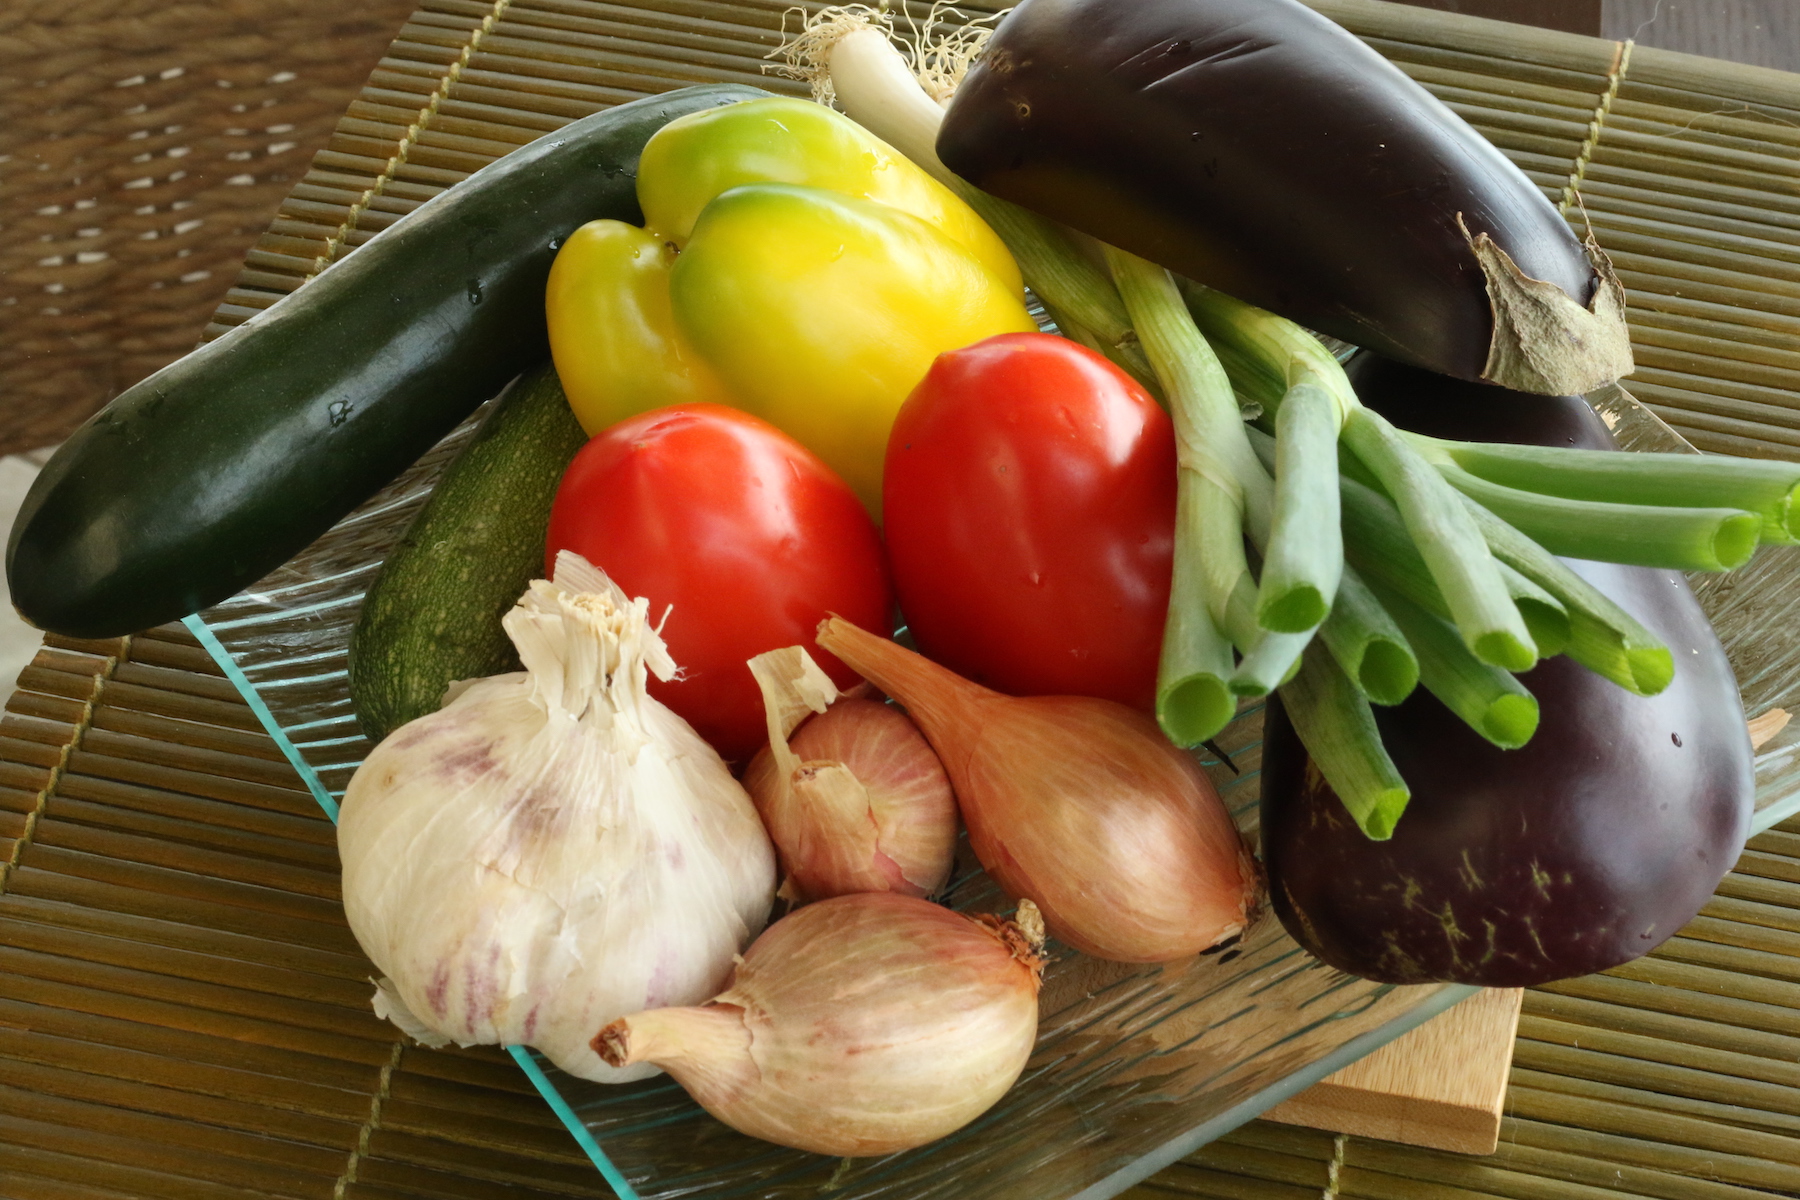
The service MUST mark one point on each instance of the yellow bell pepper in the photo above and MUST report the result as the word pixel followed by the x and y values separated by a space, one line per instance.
pixel 791 265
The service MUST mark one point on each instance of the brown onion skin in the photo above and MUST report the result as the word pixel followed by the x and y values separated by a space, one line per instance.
pixel 1078 804
pixel 1261 149
pixel 1587 847
pixel 913 810
pixel 818 1046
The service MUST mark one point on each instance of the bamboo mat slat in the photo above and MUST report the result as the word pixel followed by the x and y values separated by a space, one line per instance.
pixel 184 1013
pixel 187 1015
pixel 1691 167
pixel 1677 1076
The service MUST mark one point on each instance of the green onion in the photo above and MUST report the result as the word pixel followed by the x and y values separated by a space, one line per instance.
pixel 1193 695
pixel 1764 487
pixel 1361 636
pixel 1264 354
pixel 1337 727
pixel 1210 443
pixel 1082 300
pixel 1449 542
pixel 1545 615
pixel 1642 535
pixel 1379 544
pixel 1368 645
pixel 1489 700
pixel 1270 662
pixel 1305 554
pixel 1603 637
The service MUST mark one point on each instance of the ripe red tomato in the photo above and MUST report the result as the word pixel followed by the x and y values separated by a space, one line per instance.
pixel 1029 497
pixel 740 528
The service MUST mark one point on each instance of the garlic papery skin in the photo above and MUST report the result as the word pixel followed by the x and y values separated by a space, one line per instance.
pixel 861 1025
pixel 855 800
pixel 1081 804
pixel 554 848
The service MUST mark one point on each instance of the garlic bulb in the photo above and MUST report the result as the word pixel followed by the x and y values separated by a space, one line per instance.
pixel 864 1024
pixel 856 800
pixel 554 848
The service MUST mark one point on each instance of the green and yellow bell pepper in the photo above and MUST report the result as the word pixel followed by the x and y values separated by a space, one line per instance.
pixel 791 265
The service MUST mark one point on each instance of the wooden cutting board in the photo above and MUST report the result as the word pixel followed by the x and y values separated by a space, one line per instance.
pixel 1440 1086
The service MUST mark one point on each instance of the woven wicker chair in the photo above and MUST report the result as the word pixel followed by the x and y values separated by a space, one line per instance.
pixel 143 147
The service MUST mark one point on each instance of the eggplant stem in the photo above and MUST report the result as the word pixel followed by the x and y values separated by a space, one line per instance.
pixel 1336 725
pixel 1449 541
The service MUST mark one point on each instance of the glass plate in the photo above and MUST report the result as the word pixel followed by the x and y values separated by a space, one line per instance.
pixel 1135 1066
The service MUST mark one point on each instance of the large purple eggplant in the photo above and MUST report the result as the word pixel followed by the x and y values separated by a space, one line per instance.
pixel 1259 148
pixel 1588 847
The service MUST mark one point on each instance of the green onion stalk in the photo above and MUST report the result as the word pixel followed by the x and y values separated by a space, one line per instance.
pixel 1376 560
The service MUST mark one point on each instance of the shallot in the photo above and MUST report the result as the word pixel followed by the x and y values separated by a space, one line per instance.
pixel 853 798
pixel 862 1025
pixel 1077 803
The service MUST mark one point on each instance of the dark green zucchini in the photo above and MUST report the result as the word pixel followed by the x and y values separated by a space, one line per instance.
pixel 207 475
pixel 433 616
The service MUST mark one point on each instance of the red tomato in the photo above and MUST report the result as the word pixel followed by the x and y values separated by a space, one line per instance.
pixel 743 530
pixel 1029 495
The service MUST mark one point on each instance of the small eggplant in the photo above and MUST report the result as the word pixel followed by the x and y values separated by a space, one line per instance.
pixel 1587 847
pixel 1259 148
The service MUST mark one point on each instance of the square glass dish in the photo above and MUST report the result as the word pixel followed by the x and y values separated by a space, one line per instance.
pixel 1135 1065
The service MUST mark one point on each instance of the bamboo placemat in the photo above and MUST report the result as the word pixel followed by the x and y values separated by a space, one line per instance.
pixel 186 1014
pixel 189 1015
pixel 1677 1076
pixel 1688 168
